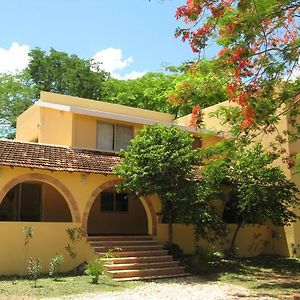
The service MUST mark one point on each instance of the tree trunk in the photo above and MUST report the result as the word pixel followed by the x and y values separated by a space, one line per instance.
pixel 232 245
pixel 170 229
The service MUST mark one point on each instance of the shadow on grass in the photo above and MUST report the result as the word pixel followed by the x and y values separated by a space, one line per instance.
pixel 264 267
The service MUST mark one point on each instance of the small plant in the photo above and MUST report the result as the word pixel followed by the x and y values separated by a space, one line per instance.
pixel 34 268
pixel 95 268
pixel 295 249
pixel 174 250
pixel 75 234
pixel 28 232
pixel 55 264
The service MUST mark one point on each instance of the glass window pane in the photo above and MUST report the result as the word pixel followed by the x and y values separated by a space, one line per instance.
pixel 121 202
pixel 123 136
pixel 105 136
pixel 107 201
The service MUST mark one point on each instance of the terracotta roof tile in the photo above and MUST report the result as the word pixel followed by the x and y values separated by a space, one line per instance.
pixel 56 158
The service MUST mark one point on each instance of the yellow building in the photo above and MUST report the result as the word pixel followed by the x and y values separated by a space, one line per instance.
pixel 58 175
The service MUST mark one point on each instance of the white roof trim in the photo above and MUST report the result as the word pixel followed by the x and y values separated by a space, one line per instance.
pixel 110 116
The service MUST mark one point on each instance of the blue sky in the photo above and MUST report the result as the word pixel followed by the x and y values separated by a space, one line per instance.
pixel 130 36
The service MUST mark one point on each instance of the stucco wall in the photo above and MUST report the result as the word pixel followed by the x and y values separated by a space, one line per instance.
pixel 48 239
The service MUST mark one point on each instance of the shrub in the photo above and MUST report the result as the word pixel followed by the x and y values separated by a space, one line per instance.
pixel 201 259
pixel 174 250
pixel 34 268
pixel 55 264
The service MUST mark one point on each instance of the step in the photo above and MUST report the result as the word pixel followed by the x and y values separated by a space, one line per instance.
pixel 139 259
pixel 113 244
pixel 119 238
pixel 136 253
pixel 147 272
pixel 129 248
pixel 139 266
pixel 152 277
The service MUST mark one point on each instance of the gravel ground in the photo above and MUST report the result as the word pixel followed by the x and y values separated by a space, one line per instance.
pixel 176 289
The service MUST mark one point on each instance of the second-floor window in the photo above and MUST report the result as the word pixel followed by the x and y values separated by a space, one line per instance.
pixel 113 137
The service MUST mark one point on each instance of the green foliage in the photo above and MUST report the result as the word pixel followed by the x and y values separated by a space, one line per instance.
pixel 201 259
pixel 201 84
pixel 66 74
pixel 174 250
pixel 34 268
pixel 157 160
pixel 75 235
pixel 148 92
pixel 260 191
pixel 160 160
pixel 28 232
pixel 16 95
pixel 95 267
pixel 55 264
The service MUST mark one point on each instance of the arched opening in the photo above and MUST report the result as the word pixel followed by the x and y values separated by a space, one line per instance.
pixel 115 213
pixel 34 201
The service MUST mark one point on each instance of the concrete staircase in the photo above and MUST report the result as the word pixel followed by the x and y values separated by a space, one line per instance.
pixel 141 258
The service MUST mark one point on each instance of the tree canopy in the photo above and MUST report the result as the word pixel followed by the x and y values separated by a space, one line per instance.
pixel 66 74
pixel 260 44
pixel 160 160
pixel 260 192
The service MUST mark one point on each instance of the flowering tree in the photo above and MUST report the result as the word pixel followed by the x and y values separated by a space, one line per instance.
pixel 259 42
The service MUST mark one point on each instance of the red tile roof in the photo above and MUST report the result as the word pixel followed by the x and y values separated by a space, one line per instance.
pixel 56 158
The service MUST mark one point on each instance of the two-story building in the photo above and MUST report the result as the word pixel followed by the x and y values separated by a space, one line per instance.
pixel 58 174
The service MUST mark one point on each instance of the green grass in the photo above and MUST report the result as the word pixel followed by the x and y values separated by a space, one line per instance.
pixel 265 276
pixel 65 285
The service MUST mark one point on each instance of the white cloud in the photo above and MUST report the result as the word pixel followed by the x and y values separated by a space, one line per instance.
pixel 131 75
pixel 14 59
pixel 112 59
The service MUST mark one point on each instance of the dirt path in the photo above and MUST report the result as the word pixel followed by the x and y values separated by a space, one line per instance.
pixel 176 289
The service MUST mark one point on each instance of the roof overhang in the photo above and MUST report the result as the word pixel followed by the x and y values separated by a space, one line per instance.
pixel 110 116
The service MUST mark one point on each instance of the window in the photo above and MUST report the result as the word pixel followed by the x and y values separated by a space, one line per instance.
pixel 112 201
pixel 113 137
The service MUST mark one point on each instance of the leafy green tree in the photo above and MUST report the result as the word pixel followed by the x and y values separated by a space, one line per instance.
pixel 66 74
pixel 260 191
pixel 16 95
pixel 160 160
pixel 148 92
pixel 199 85
pixel 259 44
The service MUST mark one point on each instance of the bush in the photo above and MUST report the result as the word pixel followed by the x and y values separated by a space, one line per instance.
pixel 34 268
pixel 174 250
pixel 95 269
pixel 201 259
pixel 55 264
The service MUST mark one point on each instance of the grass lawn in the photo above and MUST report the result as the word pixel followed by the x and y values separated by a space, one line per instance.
pixel 22 288
pixel 265 276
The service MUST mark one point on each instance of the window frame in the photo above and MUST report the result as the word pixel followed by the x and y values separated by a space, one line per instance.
pixel 114 139
pixel 114 211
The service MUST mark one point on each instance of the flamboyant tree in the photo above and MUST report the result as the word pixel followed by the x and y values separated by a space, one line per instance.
pixel 259 52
